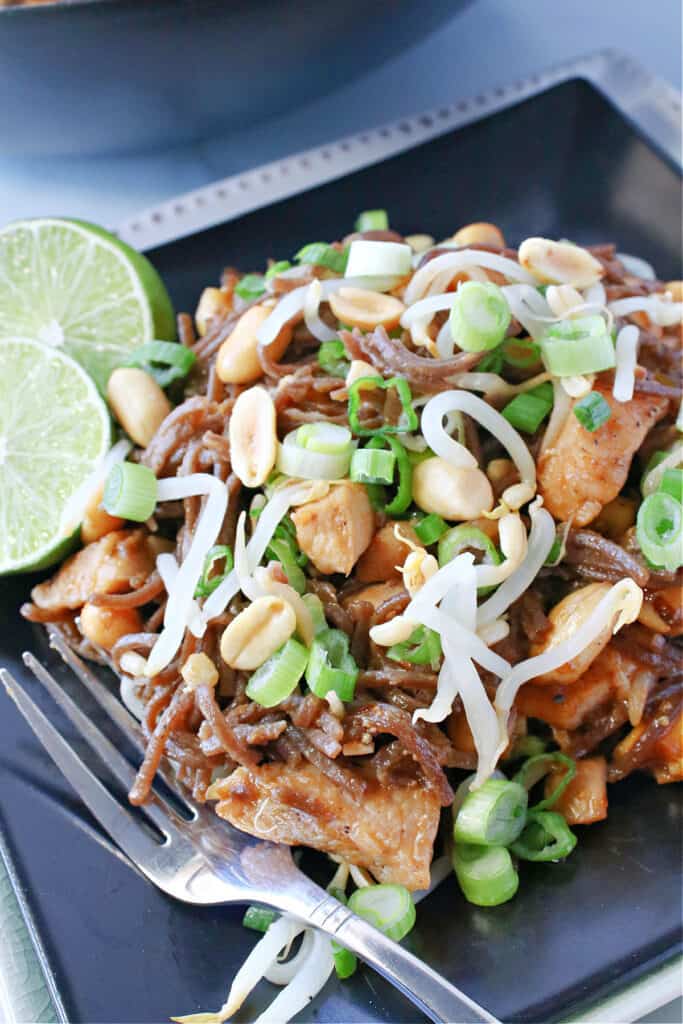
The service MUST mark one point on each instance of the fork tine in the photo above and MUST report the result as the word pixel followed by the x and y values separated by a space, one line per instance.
pixel 97 741
pixel 120 825
pixel 124 720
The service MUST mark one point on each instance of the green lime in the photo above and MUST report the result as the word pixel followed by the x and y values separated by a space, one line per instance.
pixel 74 286
pixel 54 431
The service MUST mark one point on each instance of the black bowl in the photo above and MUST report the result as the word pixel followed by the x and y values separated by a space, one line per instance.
pixel 98 76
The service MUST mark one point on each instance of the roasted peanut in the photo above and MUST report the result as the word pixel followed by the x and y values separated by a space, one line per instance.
pixel 418 567
pixel 199 670
pixel 96 522
pixel 502 473
pixel 559 262
pixel 366 309
pixel 104 626
pixel 419 243
pixel 253 437
pixel 257 632
pixel 213 303
pixel 138 403
pixel 479 233
pixel 675 289
pixel 238 361
pixel 450 491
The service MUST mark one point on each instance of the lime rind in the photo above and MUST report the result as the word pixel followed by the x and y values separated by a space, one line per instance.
pixel 54 431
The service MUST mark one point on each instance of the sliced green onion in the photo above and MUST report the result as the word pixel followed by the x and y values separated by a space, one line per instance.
pixel 402 387
pixel 372 220
pixel 559 548
pixel 278 677
pixel 492 362
pixel 315 607
pixel 277 268
pixel 672 484
pixel 251 286
pixel 659 530
pixel 328 438
pixel 592 411
pixel 293 460
pixel 430 529
pixel 333 359
pixel 388 907
pixel 464 537
pixel 583 345
pixel 480 316
pixel 259 919
pixel 166 361
pixel 652 463
pixel 485 874
pixel 522 353
pixel 404 492
pixel 208 583
pixel 280 550
pixel 546 836
pixel 492 815
pixel 331 666
pixel 372 467
pixel 537 767
pixel 320 254
pixel 527 411
pixel 423 647
pixel 526 746
pixel 130 492
pixel 345 962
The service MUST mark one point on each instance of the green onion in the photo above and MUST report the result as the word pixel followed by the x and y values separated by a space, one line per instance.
pixel 388 907
pixel 672 484
pixel 372 220
pixel 345 962
pixel 431 528
pixel 652 463
pixel 527 411
pixel 208 583
pixel 480 316
pixel 320 254
pixel 280 550
pixel 251 286
pixel 592 411
pixel 574 347
pixel 130 492
pixel 404 492
pixel 537 767
pixel 331 666
pixel 327 438
pixel 258 918
pixel 372 467
pixel 403 391
pixel 526 746
pixel 522 353
pixel 659 530
pixel 315 607
pixel 333 359
pixel 277 268
pixel 485 874
pixel 492 362
pixel 166 361
pixel 423 647
pixel 464 537
pixel 492 815
pixel 276 679
pixel 559 548
pixel 546 836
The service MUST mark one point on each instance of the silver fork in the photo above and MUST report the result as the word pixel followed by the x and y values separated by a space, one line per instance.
pixel 206 861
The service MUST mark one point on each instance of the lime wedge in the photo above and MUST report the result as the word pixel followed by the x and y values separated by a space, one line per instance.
pixel 54 430
pixel 74 286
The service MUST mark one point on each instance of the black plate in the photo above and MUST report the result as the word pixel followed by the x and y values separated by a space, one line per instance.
pixel 562 164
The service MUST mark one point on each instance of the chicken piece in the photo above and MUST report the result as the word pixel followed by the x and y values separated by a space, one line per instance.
pixel 669 754
pixel 385 553
pixel 335 530
pixel 375 594
pixel 584 801
pixel 584 471
pixel 390 832
pixel 112 565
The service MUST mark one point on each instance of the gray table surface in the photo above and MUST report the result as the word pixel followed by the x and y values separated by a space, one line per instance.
pixel 491 43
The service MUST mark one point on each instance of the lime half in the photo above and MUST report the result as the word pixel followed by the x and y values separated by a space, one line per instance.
pixel 54 431
pixel 74 286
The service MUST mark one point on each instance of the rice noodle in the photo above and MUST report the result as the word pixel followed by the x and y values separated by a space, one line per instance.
pixel 655 476
pixel 435 276
pixel 305 985
pixel 637 266
pixel 282 972
pixel 626 354
pixel 659 310
pixel 128 691
pixel 529 308
pixel 514 546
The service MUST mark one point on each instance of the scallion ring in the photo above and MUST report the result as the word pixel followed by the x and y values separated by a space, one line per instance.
pixel 492 815
pixel 537 767
pixel 388 907
pixel 463 538
pixel 659 530
pixel 130 492
pixel 479 317
pixel 409 420
pixel 331 666
pixel 546 836
pixel 404 492
pixel 372 220
pixel 485 874
pixel 279 676
pixel 208 582
pixel 571 348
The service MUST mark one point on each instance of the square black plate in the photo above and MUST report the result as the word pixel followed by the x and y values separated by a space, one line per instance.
pixel 563 163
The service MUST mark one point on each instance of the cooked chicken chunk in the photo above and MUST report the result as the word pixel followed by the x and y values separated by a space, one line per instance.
pixel 583 471
pixel 391 831
pixel 335 530
pixel 108 566
pixel 386 553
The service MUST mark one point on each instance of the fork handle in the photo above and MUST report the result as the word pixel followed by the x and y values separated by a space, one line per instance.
pixel 436 997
